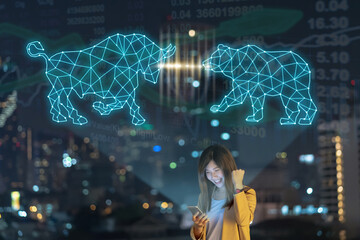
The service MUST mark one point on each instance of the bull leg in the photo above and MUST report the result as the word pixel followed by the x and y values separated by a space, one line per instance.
pixel 134 110
pixel 229 100
pixel 257 104
pixel 72 112
pixel 106 109
pixel 102 108
pixel 55 110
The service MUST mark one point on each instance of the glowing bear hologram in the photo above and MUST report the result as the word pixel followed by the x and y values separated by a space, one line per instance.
pixel 109 70
pixel 257 73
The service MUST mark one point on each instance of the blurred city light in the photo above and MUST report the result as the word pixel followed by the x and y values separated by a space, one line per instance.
pixel 68 226
pixel 145 205
pixel 225 136
pixel 307 158
pixel 195 154
pixel 157 148
pixel 172 165
pixel 15 200
pixel 85 183
pixel 309 191
pixel 122 171
pixel 164 204
pixel 196 83
pixel 297 210
pixel 22 213
pixel 68 161
pixel 214 123
pixel 310 210
pixel 33 209
pixel 108 210
pixel 192 33
pixel 35 188
pixel 181 142
pixel 285 210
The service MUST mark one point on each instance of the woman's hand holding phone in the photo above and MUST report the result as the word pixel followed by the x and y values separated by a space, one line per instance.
pixel 199 223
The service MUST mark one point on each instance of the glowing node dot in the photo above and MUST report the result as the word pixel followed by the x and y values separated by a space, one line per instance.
pixel 225 136
pixel 196 84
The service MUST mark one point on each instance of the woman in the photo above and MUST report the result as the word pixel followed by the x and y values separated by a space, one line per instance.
pixel 228 204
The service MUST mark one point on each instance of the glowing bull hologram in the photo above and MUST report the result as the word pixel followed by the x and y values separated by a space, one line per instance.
pixel 109 70
pixel 257 73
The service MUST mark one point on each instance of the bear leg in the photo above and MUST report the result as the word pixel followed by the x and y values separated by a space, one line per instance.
pixel 308 110
pixel 257 104
pixel 229 100
pixel 291 110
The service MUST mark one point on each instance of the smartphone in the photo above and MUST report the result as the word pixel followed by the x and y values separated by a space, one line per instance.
pixel 194 210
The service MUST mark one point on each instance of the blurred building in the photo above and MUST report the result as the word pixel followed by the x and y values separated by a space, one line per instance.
pixel 340 174
pixel 351 178
pixel 270 185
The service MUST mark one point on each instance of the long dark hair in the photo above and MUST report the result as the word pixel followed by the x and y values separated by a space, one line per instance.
pixel 225 161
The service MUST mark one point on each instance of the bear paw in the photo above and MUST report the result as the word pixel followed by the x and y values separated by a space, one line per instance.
pixel 287 121
pixel 214 108
pixel 304 121
pixel 252 119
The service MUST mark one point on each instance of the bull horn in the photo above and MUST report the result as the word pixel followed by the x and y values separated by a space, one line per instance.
pixel 169 51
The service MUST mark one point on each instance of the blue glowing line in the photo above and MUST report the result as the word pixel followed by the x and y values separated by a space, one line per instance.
pixel 257 73
pixel 108 70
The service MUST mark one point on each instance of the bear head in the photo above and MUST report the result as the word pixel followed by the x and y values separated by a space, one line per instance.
pixel 218 61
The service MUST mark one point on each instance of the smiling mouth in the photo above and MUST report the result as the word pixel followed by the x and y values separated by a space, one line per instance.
pixel 217 181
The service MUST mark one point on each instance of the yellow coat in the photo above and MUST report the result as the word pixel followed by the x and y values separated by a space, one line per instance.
pixel 237 219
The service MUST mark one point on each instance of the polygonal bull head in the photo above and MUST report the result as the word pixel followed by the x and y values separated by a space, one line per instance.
pixel 152 69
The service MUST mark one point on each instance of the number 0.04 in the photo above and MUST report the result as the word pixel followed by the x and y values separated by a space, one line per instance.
pixel 331 6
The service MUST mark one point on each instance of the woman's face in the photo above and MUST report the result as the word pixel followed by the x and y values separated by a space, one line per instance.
pixel 215 174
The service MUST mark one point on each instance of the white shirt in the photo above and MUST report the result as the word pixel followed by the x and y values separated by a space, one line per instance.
pixel 216 214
